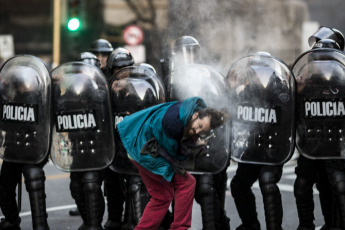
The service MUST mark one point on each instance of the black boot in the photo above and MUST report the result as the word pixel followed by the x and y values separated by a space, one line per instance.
pixel 77 193
pixel 15 225
pixel 94 200
pixel 74 212
pixel 115 193
pixel 272 201
pixel 34 182
pixel 303 191
pixel 204 195
pixel 338 183
pixel 253 226
pixel 220 184
pixel 133 208
pixel 246 206
pixel 9 209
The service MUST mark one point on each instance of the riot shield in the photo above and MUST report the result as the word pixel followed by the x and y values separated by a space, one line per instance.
pixel 320 81
pixel 203 81
pixel 25 88
pixel 83 137
pixel 261 92
pixel 132 89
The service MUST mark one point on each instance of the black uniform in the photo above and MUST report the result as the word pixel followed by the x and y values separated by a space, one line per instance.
pixel 241 184
pixel 84 146
pixel 327 174
pixel 25 87
pixel 310 172
pixel 262 89
pixel 11 174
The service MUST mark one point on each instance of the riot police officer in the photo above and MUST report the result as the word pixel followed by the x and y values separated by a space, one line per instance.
pixel 118 59
pixel 186 50
pixel 325 32
pixel 87 185
pixel 114 182
pixel 102 49
pixel 262 97
pixel 210 186
pixel 89 58
pixel 327 174
pixel 84 147
pixel 25 85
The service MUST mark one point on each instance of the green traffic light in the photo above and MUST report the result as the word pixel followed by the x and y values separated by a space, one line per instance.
pixel 73 24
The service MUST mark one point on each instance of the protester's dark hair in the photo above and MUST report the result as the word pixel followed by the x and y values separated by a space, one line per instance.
pixel 218 117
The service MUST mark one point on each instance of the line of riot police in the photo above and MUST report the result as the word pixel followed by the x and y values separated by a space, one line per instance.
pixel 70 114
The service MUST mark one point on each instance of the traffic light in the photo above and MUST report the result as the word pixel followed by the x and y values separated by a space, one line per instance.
pixel 73 24
pixel 75 15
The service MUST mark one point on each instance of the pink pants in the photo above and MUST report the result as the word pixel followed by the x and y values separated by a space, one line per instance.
pixel 181 188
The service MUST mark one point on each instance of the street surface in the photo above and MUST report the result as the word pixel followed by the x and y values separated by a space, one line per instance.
pixel 59 202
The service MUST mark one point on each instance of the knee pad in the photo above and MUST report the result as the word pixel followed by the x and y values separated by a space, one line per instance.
pixel 338 179
pixel 91 187
pixel 93 176
pixel 91 182
pixel 134 184
pixel 204 186
pixel 268 183
pixel 302 186
pixel 34 178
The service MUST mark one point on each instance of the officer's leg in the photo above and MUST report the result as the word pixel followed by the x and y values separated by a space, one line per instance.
pixel 303 191
pixel 327 200
pixel 220 183
pixel 204 195
pixel 269 177
pixel 77 193
pixel 244 198
pixel 133 208
pixel 10 175
pixel 95 205
pixel 306 172
pixel 338 185
pixel 34 182
pixel 115 194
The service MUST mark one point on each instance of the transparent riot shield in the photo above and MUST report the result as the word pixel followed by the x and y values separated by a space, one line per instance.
pixel 205 82
pixel 261 92
pixel 83 137
pixel 25 88
pixel 132 89
pixel 320 126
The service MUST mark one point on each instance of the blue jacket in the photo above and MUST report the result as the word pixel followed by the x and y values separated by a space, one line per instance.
pixel 135 130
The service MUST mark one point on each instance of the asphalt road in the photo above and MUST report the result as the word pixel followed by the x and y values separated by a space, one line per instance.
pixel 59 202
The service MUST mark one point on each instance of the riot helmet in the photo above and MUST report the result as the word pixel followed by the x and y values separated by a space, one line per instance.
pixel 89 58
pixel 101 46
pixel 118 59
pixel 326 43
pixel 325 32
pixel 186 50
pixel 21 84
pixel 102 49
pixel 148 67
